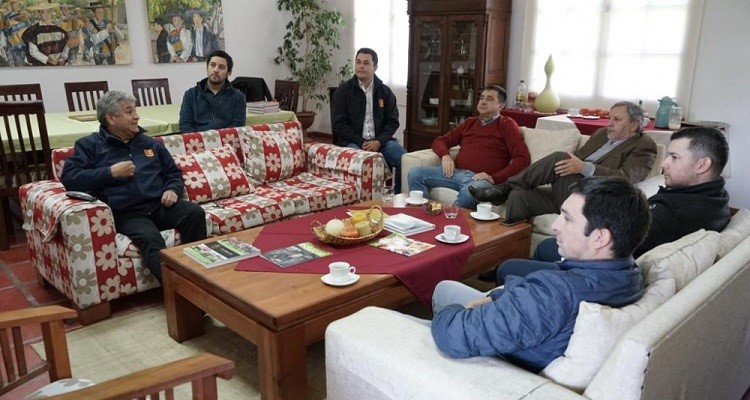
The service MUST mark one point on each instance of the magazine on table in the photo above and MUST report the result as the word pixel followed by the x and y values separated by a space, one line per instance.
pixel 406 224
pixel 293 255
pixel 221 251
pixel 401 244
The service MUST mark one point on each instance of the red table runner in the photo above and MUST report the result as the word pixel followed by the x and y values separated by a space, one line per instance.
pixel 589 126
pixel 419 273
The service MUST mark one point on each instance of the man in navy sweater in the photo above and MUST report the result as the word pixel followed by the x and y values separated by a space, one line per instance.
pixel 530 321
pixel 136 176
pixel 213 103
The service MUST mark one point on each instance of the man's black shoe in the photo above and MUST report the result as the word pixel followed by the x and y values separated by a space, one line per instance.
pixel 489 276
pixel 497 194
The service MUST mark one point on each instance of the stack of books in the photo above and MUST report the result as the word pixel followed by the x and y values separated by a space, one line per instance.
pixel 406 225
pixel 263 107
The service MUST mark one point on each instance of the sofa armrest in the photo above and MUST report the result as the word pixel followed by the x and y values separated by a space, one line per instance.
pixel 365 168
pixel 420 158
pixel 383 354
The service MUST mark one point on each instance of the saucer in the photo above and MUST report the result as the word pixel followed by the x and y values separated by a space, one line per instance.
pixel 590 117
pixel 493 216
pixel 413 202
pixel 327 280
pixel 575 116
pixel 461 238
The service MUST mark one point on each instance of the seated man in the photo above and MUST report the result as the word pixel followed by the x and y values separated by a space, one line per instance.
pixel 136 176
pixel 213 103
pixel 492 150
pixel 530 321
pixel 694 196
pixel 621 149
pixel 365 114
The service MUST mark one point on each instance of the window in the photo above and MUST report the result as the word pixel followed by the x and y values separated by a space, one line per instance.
pixel 384 27
pixel 610 50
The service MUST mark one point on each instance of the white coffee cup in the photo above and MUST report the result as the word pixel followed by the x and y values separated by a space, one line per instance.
pixel 416 195
pixel 399 200
pixel 484 210
pixel 574 111
pixel 451 233
pixel 340 271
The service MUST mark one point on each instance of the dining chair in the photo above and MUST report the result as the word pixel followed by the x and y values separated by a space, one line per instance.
pixel 287 94
pixel 151 92
pixel 200 370
pixel 23 92
pixel 83 96
pixel 254 89
pixel 25 156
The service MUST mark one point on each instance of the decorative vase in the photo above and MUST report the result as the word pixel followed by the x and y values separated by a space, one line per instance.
pixel 306 118
pixel 548 101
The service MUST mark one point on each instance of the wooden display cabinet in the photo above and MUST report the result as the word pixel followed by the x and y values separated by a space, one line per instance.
pixel 455 49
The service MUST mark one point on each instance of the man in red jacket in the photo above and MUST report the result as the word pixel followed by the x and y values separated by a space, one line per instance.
pixel 492 150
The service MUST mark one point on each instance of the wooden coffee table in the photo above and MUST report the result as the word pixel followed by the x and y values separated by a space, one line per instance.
pixel 283 313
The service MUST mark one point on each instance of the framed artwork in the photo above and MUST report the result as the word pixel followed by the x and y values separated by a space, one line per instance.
pixel 181 33
pixel 64 32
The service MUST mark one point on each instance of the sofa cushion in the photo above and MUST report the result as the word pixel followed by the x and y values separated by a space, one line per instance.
pixel 313 192
pixel 542 142
pixel 212 174
pixel 246 211
pixel 734 233
pixel 273 152
pixel 597 330
pixel 683 259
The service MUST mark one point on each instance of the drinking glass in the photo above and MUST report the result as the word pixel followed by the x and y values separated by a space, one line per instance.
pixel 450 210
pixel 386 193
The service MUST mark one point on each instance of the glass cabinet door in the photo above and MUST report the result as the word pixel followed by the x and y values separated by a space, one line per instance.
pixel 462 57
pixel 430 37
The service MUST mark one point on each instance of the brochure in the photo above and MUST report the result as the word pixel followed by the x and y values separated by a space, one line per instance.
pixel 293 255
pixel 401 245
pixel 406 224
pixel 221 251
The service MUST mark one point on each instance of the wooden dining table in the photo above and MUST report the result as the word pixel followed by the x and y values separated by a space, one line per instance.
pixel 64 128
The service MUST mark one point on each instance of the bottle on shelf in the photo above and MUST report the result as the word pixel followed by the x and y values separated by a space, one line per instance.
pixel 522 93
pixel 645 120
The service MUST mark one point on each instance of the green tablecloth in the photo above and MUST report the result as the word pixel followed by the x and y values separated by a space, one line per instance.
pixel 156 120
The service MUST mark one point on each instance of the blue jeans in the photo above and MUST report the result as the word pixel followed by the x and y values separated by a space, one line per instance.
pixel 392 152
pixel 425 178
pixel 452 292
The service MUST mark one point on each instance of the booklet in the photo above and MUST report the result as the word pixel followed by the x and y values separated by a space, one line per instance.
pixel 293 255
pixel 221 251
pixel 406 224
pixel 401 244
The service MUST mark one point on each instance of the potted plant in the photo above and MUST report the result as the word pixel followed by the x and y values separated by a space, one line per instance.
pixel 312 36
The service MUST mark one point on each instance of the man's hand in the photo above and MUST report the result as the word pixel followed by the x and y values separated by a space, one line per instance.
pixel 483 176
pixel 168 198
pixel 123 169
pixel 573 165
pixel 371 145
pixel 449 166
pixel 478 302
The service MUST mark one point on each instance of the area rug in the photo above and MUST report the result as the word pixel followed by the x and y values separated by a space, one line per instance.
pixel 134 342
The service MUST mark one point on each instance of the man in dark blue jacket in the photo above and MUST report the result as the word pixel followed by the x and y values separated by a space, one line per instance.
pixel 136 176
pixel 213 103
pixel 529 322
pixel 365 114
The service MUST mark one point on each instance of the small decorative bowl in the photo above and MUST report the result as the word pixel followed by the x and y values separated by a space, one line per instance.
pixel 433 207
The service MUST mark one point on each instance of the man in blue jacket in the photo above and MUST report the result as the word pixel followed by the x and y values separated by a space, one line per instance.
pixel 136 176
pixel 213 103
pixel 529 321
pixel 365 114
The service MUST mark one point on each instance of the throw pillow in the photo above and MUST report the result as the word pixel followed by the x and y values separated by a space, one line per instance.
pixel 212 174
pixel 273 152
pixel 542 143
pixel 735 232
pixel 684 259
pixel 597 330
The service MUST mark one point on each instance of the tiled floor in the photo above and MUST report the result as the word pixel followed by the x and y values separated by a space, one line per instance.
pixel 19 289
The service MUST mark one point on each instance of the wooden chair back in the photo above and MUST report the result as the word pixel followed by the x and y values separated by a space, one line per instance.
pixel 83 96
pixel 16 369
pixel 151 92
pixel 25 155
pixel 287 94
pixel 24 92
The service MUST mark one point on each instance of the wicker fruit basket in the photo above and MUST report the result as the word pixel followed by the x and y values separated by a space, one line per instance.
pixel 376 225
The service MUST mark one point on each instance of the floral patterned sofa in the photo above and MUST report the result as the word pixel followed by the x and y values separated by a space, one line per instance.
pixel 242 177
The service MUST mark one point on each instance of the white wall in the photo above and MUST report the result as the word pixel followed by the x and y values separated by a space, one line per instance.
pixel 254 29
